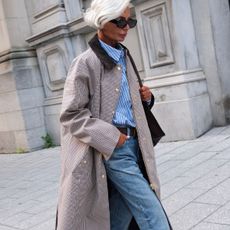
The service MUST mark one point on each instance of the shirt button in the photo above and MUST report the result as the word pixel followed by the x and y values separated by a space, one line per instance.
pixel 113 112
pixel 117 90
pixel 103 176
pixel 119 68
pixel 85 162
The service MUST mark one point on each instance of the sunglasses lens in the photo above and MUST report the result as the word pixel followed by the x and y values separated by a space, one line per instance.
pixel 122 22
pixel 132 22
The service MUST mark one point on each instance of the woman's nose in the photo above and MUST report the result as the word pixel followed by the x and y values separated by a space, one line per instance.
pixel 127 27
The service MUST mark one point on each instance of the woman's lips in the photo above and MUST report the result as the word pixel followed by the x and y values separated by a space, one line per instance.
pixel 123 35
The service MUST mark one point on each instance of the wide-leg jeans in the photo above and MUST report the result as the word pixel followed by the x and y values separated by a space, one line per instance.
pixel 131 194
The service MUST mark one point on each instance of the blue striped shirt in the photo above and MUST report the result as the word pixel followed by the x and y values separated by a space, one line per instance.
pixel 123 115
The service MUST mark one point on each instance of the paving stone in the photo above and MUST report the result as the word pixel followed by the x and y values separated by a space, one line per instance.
pixel 194 174
pixel 17 207
pixel 36 219
pixel 221 146
pixel 16 219
pixel 164 158
pixel 3 227
pixel 211 226
pixel 191 215
pixel 208 181
pixel 223 154
pixel 226 131
pixel 180 199
pixel 218 195
pixel 48 196
pixel 221 216
pixel 49 225
pixel 174 186
pixel 198 159
pixel 204 168
pixel 194 168
pixel 216 132
pixel 7 203
pixel 36 194
pixel 168 165
pixel 223 170
pixel 190 149
pixel 40 207
pixel 164 148
pixel 193 150
pixel 171 174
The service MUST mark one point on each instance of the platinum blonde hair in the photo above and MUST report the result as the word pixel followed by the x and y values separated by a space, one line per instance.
pixel 102 11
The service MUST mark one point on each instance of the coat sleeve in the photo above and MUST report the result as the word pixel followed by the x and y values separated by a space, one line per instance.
pixel 77 119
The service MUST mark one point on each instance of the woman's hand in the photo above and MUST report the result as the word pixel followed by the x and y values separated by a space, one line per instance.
pixel 146 94
pixel 122 140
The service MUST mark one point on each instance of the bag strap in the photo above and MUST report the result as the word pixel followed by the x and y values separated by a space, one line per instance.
pixel 135 69
pixel 145 104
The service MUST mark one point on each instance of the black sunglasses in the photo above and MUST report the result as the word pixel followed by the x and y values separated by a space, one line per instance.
pixel 121 22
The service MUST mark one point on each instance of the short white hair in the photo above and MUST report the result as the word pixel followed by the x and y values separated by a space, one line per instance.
pixel 102 11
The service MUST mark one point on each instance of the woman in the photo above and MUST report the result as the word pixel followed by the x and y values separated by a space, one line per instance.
pixel 103 130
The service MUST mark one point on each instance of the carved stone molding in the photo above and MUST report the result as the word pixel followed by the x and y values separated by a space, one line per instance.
pixel 17 54
pixel 155 35
pixel 47 15
pixel 53 66
pixel 73 9
pixel 48 11
pixel 63 30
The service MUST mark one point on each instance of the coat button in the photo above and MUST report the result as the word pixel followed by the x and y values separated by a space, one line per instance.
pixel 152 186
pixel 103 176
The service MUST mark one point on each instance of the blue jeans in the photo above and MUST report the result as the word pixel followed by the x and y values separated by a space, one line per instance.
pixel 131 194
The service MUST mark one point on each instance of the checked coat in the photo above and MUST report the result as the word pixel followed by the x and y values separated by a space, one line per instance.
pixel 90 96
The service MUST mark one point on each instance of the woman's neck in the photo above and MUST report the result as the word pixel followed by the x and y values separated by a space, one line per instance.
pixel 106 39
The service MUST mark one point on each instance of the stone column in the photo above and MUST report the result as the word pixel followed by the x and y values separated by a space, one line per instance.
pixel 73 9
pixel 212 24
pixel 21 91
pixel 172 67
pixel 51 39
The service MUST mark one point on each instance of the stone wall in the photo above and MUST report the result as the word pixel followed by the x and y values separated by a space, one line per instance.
pixel 21 89
pixel 181 49
pixel 212 26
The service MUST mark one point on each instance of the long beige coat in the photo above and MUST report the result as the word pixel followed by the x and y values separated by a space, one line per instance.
pixel 90 96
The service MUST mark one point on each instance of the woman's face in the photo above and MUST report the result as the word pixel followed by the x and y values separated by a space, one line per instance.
pixel 111 34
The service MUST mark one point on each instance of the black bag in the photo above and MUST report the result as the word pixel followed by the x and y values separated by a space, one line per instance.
pixel 156 132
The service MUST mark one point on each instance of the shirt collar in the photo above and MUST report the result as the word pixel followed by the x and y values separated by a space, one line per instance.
pixel 114 53
pixel 105 59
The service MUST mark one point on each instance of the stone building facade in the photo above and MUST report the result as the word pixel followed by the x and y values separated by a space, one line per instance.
pixel 181 47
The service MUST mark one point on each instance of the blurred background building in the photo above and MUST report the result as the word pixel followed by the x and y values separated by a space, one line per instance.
pixel 181 47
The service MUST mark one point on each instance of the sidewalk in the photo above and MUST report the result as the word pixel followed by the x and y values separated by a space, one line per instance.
pixel 195 178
